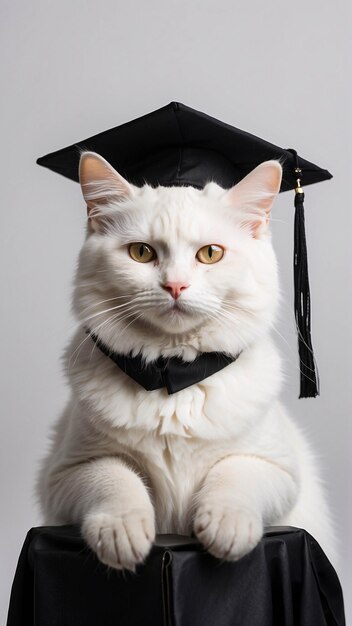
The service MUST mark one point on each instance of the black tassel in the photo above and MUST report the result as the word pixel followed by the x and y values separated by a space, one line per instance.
pixel 308 369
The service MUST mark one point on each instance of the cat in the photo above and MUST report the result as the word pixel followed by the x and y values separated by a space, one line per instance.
pixel 178 271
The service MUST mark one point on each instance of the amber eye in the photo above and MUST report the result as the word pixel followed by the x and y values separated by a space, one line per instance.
pixel 210 254
pixel 141 252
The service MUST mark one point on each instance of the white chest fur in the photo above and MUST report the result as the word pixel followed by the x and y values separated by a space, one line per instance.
pixel 173 440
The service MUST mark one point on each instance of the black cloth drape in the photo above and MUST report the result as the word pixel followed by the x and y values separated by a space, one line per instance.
pixel 286 581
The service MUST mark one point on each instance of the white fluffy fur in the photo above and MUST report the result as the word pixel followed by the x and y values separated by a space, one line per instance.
pixel 221 457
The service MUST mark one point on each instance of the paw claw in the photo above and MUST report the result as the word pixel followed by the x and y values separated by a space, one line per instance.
pixel 119 541
pixel 228 534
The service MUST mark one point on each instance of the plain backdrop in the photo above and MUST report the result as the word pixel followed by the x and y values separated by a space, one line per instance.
pixel 70 69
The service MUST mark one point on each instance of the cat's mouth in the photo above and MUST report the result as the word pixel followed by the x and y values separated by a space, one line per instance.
pixel 175 308
pixel 175 317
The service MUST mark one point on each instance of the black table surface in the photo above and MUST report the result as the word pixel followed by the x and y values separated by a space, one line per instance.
pixel 285 581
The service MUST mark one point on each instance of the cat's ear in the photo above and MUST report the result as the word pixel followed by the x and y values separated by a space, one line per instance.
pixel 254 195
pixel 101 186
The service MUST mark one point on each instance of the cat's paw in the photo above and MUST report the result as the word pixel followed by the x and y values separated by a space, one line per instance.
pixel 228 534
pixel 121 541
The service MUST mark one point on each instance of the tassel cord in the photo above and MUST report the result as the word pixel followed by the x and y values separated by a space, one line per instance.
pixel 309 380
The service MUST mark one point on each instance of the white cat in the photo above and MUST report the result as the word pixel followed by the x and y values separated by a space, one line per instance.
pixel 221 457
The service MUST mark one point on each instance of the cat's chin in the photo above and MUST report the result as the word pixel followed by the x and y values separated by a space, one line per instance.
pixel 175 321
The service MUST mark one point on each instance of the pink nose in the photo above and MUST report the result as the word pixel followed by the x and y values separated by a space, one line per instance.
pixel 175 288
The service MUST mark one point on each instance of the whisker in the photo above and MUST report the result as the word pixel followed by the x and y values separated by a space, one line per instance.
pixel 80 346
pixel 126 295
pixel 219 321
pixel 236 307
pixel 282 337
pixel 225 311
pixel 139 297
pixel 95 304
pixel 275 219
pixel 110 320
pixel 135 319
pixel 114 308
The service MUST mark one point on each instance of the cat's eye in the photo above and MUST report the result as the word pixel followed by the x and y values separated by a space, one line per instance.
pixel 210 254
pixel 141 252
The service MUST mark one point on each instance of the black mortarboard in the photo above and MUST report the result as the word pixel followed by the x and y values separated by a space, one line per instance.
pixel 177 145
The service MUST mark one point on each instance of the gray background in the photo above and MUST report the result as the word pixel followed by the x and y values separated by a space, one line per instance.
pixel 71 69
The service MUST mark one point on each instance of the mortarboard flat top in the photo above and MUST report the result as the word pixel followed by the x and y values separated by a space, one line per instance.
pixel 177 145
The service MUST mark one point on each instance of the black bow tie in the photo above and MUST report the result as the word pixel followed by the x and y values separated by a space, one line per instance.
pixel 173 372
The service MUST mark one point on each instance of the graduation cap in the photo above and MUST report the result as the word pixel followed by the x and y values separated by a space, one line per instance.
pixel 177 145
